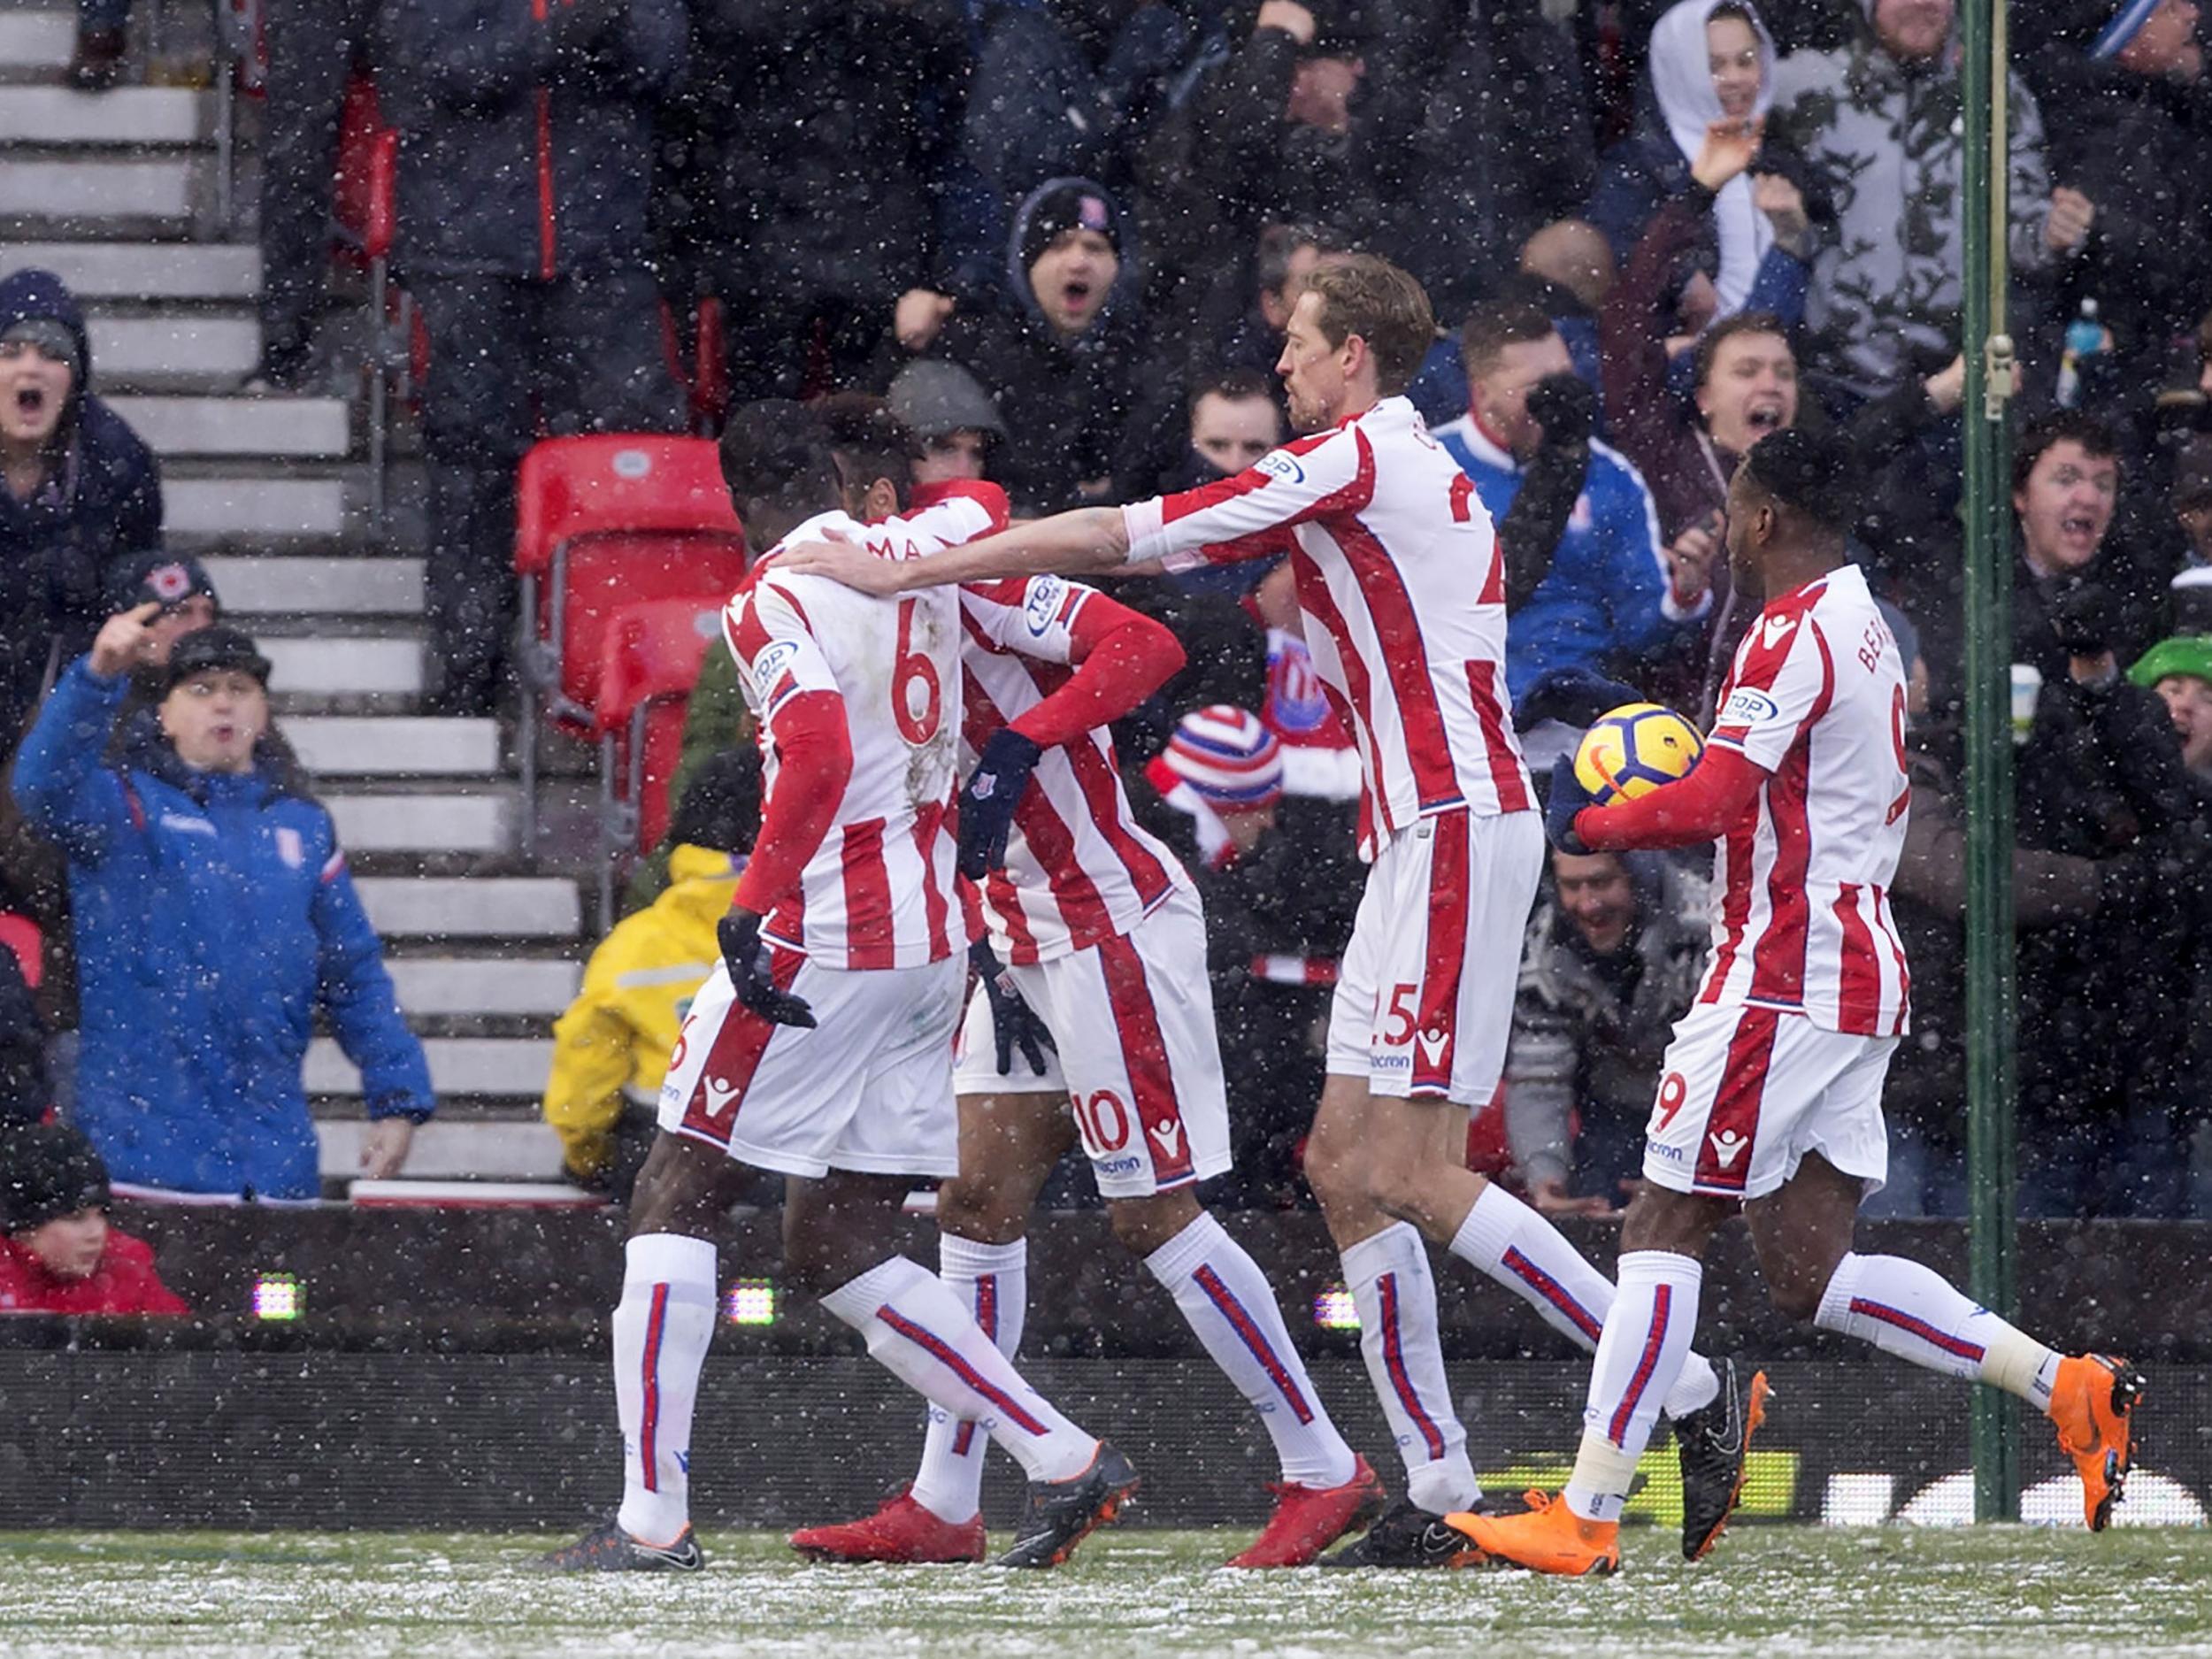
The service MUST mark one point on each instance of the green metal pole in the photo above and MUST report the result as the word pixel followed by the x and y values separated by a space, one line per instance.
pixel 1989 935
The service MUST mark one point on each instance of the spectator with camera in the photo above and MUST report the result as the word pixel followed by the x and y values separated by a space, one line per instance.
pixel 611 1048
pixel 1611 959
pixel 58 1253
pixel 81 490
pixel 1594 586
pixel 526 152
pixel 214 917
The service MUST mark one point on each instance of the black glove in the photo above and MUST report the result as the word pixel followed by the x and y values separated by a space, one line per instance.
pixel 746 959
pixel 1568 797
pixel 1564 406
pixel 1573 696
pixel 987 801
pixel 2085 618
pixel 1013 1024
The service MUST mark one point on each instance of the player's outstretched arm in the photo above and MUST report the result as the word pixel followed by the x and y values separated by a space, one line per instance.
pixel 1087 540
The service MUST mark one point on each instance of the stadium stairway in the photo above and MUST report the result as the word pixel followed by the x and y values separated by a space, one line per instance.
pixel 117 192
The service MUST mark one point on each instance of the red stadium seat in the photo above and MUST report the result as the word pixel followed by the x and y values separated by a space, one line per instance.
pixel 649 665
pixel 365 207
pixel 21 934
pixel 602 522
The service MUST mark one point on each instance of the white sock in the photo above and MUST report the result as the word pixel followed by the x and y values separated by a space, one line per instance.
pixel 992 1279
pixel 1518 1248
pixel 1912 1311
pixel 1228 1301
pixel 917 1330
pixel 662 1327
pixel 1646 1338
pixel 1391 1285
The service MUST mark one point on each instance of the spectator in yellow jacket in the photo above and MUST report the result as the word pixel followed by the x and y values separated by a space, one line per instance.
pixel 611 1046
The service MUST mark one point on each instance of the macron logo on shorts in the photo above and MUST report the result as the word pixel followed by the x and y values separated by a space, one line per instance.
pixel 1434 1047
pixel 1170 1135
pixel 1728 1146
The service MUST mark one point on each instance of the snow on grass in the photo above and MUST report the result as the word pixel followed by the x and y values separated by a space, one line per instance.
pixel 1771 1590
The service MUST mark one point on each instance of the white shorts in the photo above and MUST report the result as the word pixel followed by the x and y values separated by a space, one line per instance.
pixel 1137 1060
pixel 1747 1092
pixel 868 1088
pixel 1424 1001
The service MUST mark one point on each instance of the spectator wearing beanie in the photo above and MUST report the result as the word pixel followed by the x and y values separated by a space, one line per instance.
pixel 610 1048
pixel 1280 886
pixel 214 919
pixel 80 488
pixel 1063 356
pixel 58 1254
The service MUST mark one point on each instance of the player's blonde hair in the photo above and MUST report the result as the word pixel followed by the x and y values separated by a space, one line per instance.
pixel 1384 306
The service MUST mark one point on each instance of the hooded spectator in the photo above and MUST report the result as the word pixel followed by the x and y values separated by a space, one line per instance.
pixel 81 490
pixel 214 919
pixel 526 155
pixel 1063 358
pixel 1711 66
pixel 58 1254
pixel 1880 123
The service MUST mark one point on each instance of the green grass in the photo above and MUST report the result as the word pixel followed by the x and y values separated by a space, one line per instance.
pixel 1770 1590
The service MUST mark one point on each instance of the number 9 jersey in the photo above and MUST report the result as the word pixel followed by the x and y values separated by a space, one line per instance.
pixel 878 891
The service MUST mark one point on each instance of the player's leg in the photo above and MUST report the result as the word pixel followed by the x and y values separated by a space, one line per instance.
pixel 661 1328
pixel 905 1121
pixel 1803 1235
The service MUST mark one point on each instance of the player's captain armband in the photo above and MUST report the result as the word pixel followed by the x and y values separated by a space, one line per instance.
pixel 1747 706
pixel 773 682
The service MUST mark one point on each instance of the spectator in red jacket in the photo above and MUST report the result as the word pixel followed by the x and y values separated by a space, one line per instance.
pixel 58 1254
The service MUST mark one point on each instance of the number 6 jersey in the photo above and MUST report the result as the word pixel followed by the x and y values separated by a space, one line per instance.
pixel 877 890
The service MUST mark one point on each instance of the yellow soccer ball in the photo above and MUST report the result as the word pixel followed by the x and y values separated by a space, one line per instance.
pixel 1633 749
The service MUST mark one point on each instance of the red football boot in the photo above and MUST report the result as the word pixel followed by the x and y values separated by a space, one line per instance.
pixel 1308 1519
pixel 900 1529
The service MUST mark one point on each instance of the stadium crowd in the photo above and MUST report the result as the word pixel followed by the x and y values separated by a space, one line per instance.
pixel 1058 242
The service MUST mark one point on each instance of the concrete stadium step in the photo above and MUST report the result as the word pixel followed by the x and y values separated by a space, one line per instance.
pixel 399 746
pixel 134 193
pixel 168 350
pixel 316 428
pixel 201 508
pixel 54 116
pixel 482 821
pixel 146 271
pixel 319 669
pixel 284 586
pixel 460 986
pixel 456 1149
pixel 36 40
pixel 494 1067
pixel 465 907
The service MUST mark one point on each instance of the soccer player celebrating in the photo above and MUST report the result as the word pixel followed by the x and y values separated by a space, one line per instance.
pixel 1402 591
pixel 845 917
pixel 1772 1097
pixel 1105 947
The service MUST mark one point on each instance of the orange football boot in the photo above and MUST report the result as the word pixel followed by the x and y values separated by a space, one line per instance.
pixel 1549 1538
pixel 2092 1406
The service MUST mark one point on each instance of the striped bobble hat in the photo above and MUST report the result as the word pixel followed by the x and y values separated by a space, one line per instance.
pixel 1227 757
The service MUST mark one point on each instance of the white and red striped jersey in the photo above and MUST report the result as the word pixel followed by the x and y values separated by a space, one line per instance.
pixel 1801 913
pixel 1400 580
pixel 878 891
pixel 1079 868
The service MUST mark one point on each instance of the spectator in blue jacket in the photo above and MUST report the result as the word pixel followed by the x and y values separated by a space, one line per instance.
pixel 1614 593
pixel 80 491
pixel 527 137
pixel 213 918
